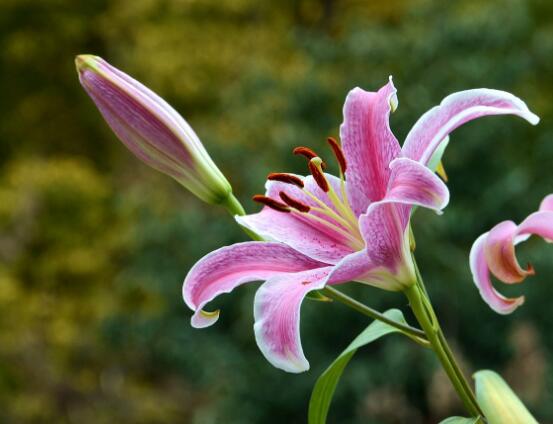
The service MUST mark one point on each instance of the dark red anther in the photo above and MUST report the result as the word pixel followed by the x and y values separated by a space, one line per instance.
pixel 319 177
pixel 338 153
pixel 305 151
pixel 285 178
pixel 308 153
pixel 530 269
pixel 295 203
pixel 272 203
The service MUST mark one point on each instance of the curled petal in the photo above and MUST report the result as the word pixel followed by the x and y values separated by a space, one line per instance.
pixel 500 253
pixel 481 277
pixel 547 203
pixel 455 110
pixel 539 223
pixel 226 268
pixel 414 184
pixel 277 317
pixel 368 143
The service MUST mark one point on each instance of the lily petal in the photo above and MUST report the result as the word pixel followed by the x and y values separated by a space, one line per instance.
pixel 500 253
pixel 277 317
pixel 539 223
pixel 455 110
pixel 368 143
pixel 547 203
pixel 224 269
pixel 414 184
pixel 384 228
pixel 481 277
pixel 309 236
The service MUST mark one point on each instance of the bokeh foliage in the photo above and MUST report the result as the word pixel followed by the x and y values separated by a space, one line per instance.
pixel 94 246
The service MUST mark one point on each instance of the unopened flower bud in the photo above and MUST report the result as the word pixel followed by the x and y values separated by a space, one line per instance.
pixel 152 129
pixel 498 402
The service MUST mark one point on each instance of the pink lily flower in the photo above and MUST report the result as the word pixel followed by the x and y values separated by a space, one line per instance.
pixel 494 252
pixel 329 230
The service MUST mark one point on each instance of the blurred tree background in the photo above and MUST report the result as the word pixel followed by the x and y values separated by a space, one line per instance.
pixel 94 245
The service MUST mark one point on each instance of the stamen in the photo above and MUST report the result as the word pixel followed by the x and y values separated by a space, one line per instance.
pixel 308 153
pixel 530 269
pixel 305 151
pixel 296 204
pixel 285 178
pixel 316 170
pixel 273 204
pixel 338 153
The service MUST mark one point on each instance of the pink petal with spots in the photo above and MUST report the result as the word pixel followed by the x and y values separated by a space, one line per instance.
pixel 322 242
pixel 368 144
pixel 224 269
pixel 481 277
pixel 455 110
pixel 277 317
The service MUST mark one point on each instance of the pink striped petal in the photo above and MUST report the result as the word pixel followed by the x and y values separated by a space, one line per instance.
pixel 368 143
pixel 224 269
pixel 310 239
pixel 456 109
pixel 385 230
pixel 414 184
pixel 359 267
pixel 547 203
pixel 500 253
pixel 277 317
pixel 481 277
pixel 306 235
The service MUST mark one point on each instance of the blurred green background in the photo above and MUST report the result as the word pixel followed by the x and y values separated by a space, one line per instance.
pixel 94 245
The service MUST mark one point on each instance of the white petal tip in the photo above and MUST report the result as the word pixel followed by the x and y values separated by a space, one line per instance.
pixel 203 319
pixel 533 118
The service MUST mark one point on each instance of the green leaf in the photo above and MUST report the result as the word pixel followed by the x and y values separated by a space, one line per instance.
pixel 498 402
pixel 327 382
pixel 460 420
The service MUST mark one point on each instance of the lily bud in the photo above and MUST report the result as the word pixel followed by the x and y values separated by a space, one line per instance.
pixel 152 129
pixel 498 402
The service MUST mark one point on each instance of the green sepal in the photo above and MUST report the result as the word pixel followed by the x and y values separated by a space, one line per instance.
pixel 318 296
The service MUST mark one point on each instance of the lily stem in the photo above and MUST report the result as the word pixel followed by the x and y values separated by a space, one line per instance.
pixel 414 333
pixel 234 207
pixel 423 311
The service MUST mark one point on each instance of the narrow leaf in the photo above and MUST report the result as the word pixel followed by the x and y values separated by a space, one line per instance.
pixel 461 420
pixel 327 382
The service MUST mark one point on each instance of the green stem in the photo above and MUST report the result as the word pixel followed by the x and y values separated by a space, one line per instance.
pixel 234 207
pixel 426 317
pixel 414 333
